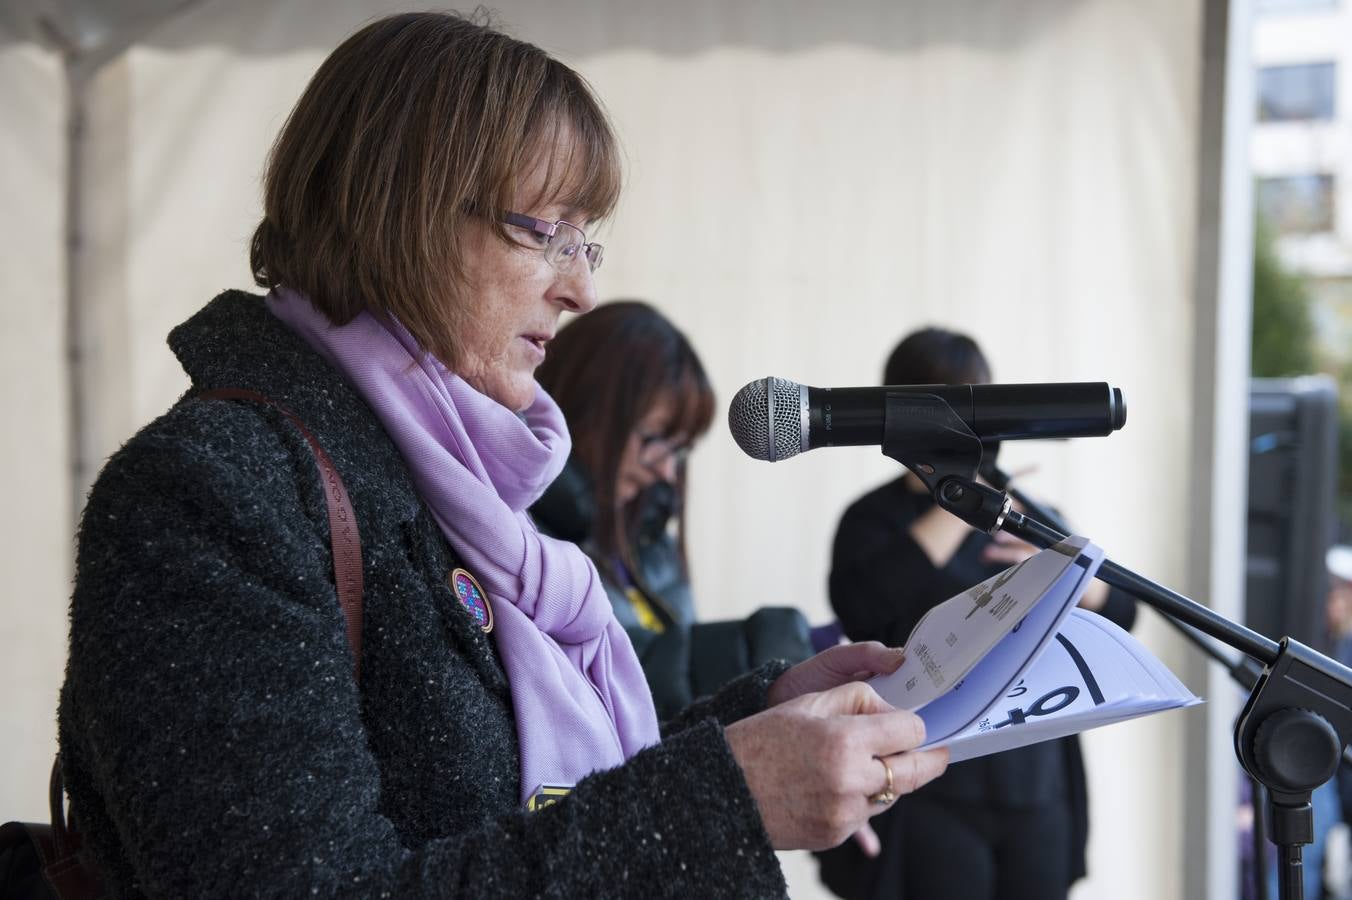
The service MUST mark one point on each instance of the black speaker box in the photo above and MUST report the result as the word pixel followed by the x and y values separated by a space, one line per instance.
pixel 1293 484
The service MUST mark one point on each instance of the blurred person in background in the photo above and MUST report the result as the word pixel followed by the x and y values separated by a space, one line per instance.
pixel 1332 850
pixel 637 399
pixel 1338 607
pixel 1326 868
pixel 425 216
pixel 1009 826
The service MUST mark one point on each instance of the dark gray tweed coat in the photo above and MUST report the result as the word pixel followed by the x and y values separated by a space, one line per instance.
pixel 214 741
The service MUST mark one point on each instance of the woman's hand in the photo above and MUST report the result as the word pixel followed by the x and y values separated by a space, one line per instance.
pixel 814 763
pixel 1094 596
pixel 1006 550
pixel 835 666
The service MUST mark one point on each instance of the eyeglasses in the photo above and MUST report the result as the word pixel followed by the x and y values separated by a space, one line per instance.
pixel 654 450
pixel 562 241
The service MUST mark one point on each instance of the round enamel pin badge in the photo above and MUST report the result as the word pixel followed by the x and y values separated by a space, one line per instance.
pixel 473 598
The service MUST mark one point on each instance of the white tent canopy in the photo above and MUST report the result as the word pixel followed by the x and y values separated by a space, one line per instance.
pixel 806 183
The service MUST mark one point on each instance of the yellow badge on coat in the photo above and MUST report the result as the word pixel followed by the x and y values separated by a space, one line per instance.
pixel 648 619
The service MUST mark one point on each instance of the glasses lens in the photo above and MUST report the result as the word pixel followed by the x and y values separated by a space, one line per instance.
pixel 654 451
pixel 564 247
pixel 594 254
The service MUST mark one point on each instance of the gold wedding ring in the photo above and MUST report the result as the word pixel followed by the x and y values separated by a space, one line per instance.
pixel 887 794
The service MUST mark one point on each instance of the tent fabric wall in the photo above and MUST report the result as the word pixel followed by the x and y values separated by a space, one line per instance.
pixel 35 528
pixel 806 184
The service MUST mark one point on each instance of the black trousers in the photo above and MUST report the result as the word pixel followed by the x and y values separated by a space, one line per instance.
pixel 949 851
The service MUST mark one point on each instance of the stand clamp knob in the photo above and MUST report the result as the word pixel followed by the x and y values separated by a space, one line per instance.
pixel 1296 749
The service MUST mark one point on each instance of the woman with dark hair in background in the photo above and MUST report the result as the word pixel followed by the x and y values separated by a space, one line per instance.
pixel 636 398
pixel 1010 826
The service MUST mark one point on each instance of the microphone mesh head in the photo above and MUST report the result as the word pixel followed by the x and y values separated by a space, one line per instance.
pixel 768 419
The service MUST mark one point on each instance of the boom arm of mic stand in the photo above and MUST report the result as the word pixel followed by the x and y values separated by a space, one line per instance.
pixel 1161 598
pixel 1245 672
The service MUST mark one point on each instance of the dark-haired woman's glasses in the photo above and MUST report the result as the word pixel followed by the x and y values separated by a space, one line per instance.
pixel 654 450
pixel 562 242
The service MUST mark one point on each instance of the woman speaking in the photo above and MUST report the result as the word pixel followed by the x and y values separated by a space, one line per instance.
pixel 427 216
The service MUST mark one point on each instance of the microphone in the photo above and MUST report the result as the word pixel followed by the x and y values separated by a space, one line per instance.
pixel 774 418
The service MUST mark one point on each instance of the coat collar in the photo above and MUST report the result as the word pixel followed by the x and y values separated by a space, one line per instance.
pixel 234 342
pixel 567 508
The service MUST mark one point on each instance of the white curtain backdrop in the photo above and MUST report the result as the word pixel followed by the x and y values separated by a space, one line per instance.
pixel 807 183
pixel 35 527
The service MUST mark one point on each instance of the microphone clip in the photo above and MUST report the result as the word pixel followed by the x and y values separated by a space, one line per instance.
pixel 923 433
pixel 979 505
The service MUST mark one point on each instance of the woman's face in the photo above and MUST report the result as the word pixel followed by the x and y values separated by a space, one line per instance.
pixel 1339 607
pixel 649 456
pixel 513 301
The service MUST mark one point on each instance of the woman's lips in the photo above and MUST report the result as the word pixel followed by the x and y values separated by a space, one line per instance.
pixel 537 344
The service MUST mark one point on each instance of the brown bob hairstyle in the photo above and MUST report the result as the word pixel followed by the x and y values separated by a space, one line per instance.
pixel 606 370
pixel 415 125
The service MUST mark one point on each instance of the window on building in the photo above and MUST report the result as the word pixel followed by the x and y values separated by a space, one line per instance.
pixel 1291 93
pixel 1297 203
pixel 1281 6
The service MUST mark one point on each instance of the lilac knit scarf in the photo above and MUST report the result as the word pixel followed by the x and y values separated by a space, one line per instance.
pixel 578 693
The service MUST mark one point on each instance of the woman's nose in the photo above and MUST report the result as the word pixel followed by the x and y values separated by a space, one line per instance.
pixel 575 289
pixel 667 468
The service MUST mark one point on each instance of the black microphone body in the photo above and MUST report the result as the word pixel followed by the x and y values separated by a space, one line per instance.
pixel 852 417
pixel 774 418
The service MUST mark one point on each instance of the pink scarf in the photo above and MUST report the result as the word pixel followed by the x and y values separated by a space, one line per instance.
pixel 579 695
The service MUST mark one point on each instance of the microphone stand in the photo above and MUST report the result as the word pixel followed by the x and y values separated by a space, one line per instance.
pixel 1243 671
pixel 1298 718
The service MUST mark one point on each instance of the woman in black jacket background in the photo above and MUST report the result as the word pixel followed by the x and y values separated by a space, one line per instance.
pixel 1009 826
pixel 637 398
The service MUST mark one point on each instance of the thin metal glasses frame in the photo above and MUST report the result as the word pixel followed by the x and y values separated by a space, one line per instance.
pixel 591 251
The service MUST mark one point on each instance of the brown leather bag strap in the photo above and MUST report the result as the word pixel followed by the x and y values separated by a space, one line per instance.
pixel 56 797
pixel 68 874
pixel 343 536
